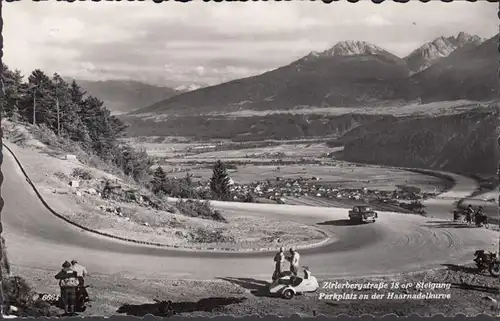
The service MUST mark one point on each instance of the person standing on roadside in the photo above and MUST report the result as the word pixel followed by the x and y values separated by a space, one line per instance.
pixel 81 272
pixel 479 217
pixel 279 259
pixel 469 213
pixel 68 282
pixel 294 261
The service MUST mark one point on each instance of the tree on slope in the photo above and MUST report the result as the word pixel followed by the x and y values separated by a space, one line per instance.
pixel 42 90
pixel 14 90
pixel 134 163
pixel 83 119
pixel 220 183
pixel 159 180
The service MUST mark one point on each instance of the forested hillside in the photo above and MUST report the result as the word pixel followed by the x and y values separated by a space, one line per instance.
pixel 67 110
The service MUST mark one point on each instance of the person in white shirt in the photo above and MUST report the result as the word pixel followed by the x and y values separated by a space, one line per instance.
pixel 294 261
pixel 81 272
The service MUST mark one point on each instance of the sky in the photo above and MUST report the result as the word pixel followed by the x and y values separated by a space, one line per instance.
pixel 175 43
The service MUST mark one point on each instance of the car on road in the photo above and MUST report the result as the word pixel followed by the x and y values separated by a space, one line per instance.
pixel 362 214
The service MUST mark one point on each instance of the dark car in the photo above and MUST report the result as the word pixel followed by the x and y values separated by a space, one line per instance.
pixel 362 214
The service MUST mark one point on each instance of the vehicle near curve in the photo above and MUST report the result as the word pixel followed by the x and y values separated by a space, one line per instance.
pixel 288 285
pixel 362 214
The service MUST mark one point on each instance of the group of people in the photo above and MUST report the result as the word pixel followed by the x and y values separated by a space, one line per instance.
pixel 70 278
pixel 280 258
pixel 477 217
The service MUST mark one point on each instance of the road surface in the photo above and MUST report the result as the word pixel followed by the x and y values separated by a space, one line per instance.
pixel 395 243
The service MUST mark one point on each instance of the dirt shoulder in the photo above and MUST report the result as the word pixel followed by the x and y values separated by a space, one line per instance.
pixel 83 205
pixel 247 296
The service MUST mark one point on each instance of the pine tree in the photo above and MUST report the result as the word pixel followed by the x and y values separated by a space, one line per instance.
pixel 219 183
pixel 76 104
pixel 67 115
pixel 76 94
pixel 159 180
pixel 14 89
pixel 41 97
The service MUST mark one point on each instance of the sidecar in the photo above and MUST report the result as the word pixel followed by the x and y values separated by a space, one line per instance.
pixel 288 285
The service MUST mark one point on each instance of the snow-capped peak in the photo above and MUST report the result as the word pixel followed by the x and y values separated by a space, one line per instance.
pixel 352 48
pixel 346 48
pixel 441 47
pixel 464 38
pixel 314 54
pixel 190 87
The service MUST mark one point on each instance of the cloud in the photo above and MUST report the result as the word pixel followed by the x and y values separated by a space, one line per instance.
pixel 67 29
pixel 210 42
pixel 200 70
pixel 376 20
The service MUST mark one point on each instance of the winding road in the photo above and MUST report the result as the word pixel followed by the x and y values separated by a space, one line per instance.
pixel 395 243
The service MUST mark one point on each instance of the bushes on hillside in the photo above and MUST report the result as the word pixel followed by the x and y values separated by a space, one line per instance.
pixel 181 188
pixel 135 164
pixel 414 206
pixel 201 209
pixel 18 293
pixel 161 184
pixel 201 235
pixel 81 173
pixel 249 198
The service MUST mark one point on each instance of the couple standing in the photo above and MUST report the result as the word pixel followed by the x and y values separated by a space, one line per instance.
pixel 280 258
pixel 70 277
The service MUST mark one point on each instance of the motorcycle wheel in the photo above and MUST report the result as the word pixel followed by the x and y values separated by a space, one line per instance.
pixel 481 267
pixel 288 294
pixel 80 303
pixel 494 269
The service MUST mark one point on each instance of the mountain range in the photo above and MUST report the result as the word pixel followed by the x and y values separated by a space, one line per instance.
pixel 354 74
pixel 423 57
pixel 467 73
pixel 351 73
pixel 122 96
